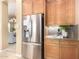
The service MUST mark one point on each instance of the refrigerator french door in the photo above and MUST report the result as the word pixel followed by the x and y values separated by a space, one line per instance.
pixel 33 36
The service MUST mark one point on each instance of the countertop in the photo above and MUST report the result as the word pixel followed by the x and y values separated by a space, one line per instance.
pixel 52 38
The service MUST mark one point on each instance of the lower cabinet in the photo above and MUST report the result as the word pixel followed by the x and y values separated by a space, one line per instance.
pixel 69 50
pixel 52 52
pixel 61 49
pixel 68 53
pixel 51 49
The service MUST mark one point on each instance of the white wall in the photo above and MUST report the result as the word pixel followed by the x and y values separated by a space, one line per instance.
pixel 3 24
pixel 11 8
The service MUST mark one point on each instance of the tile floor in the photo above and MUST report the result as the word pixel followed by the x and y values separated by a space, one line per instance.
pixel 9 53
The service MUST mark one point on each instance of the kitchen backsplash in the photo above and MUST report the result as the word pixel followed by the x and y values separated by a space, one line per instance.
pixel 62 31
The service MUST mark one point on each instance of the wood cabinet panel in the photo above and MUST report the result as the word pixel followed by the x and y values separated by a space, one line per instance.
pixel 61 49
pixel 70 11
pixel 69 49
pixel 38 6
pixel 27 7
pixel 69 42
pixel 33 6
pixel 51 49
pixel 60 12
pixel 51 12
pixel 51 41
pixel 68 52
pixel 66 12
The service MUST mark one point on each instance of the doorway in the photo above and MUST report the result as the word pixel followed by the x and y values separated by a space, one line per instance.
pixel 4 24
pixel 12 25
pixel 15 12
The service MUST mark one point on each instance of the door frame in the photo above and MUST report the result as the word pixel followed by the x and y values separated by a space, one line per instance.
pixel 18 27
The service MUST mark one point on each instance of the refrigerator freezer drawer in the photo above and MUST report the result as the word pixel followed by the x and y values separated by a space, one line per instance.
pixel 31 51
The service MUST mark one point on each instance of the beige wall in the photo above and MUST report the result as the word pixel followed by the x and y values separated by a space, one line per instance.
pixel 3 24
pixel 0 24
pixel 18 26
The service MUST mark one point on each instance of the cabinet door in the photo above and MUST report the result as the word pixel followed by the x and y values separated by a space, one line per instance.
pixel 70 11
pixel 65 12
pixel 51 49
pixel 69 53
pixel 51 52
pixel 27 7
pixel 61 12
pixel 69 50
pixel 51 12
pixel 38 6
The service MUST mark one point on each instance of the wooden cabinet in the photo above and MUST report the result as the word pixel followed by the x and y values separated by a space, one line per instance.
pixel 51 12
pixel 51 49
pixel 69 50
pixel 27 7
pixel 70 11
pixel 66 12
pixel 33 6
pixel 60 12
pixel 61 49
pixel 38 6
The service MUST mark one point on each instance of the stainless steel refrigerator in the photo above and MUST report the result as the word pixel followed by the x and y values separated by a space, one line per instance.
pixel 33 36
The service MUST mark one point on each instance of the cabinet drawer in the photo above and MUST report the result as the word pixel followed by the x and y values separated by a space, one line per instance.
pixel 69 43
pixel 51 41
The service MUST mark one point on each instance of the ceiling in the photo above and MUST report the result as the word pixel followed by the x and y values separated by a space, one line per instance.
pixel 11 8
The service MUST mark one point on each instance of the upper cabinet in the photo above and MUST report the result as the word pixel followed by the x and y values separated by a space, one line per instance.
pixel 57 12
pixel 70 11
pixel 38 6
pixel 33 6
pixel 27 7
pixel 60 12
pixel 51 12
pixel 66 12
